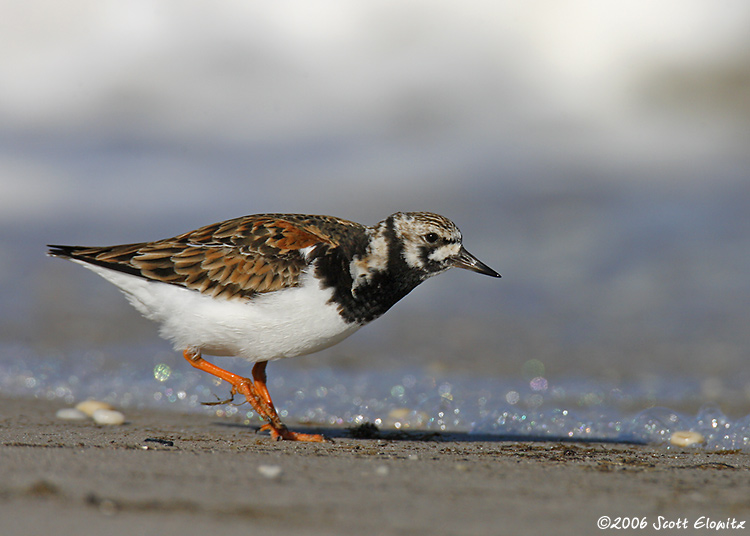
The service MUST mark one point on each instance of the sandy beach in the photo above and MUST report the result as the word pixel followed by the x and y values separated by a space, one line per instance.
pixel 174 474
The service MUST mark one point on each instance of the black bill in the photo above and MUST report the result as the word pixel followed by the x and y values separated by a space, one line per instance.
pixel 469 262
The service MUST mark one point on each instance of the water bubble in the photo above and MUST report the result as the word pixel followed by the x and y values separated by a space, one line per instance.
pixel 532 369
pixel 710 416
pixel 445 390
pixel 512 397
pixel 656 425
pixel 409 381
pixel 535 400
pixel 538 383
pixel 162 372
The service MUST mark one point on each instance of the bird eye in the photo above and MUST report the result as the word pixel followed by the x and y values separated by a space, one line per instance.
pixel 431 238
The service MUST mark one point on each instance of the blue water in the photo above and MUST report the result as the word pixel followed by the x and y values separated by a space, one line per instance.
pixel 539 408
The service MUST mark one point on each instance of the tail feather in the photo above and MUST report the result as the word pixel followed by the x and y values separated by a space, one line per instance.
pixel 62 251
pixel 90 255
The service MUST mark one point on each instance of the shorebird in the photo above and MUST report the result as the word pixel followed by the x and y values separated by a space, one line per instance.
pixel 271 286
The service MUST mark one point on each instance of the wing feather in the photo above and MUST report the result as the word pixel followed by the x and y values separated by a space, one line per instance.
pixel 232 259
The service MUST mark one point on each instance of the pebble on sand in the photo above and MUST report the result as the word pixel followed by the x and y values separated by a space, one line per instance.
pixel 71 414
pixel 686 438
pixel 89 407
pixel 108 417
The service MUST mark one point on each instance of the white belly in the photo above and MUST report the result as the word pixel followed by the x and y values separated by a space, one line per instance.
pixel 286 323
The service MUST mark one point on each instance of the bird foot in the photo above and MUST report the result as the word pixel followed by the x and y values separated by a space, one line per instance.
pixel 283 433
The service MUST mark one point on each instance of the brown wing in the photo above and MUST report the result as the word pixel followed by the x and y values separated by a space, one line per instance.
pixel 232 259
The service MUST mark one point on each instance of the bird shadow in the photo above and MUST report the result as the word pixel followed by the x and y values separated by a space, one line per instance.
pixel 368 431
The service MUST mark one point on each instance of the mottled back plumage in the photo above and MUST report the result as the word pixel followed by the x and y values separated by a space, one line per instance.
pixel 236 258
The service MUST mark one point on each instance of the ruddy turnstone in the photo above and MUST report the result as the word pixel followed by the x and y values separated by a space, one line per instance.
pixel 270 286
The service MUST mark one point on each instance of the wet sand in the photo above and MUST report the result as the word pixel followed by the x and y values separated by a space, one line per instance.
pixel 168 473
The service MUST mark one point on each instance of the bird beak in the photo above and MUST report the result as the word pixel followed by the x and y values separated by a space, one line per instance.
pixel 467 261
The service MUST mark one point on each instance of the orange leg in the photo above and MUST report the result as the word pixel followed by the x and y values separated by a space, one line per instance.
pixel 255 393
pixel 259 378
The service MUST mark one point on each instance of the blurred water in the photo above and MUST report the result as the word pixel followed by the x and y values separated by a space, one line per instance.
pixel 597 159
pixel 403 399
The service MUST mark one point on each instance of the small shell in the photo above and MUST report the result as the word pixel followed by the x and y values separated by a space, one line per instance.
pixel 90 406
pixel 686 438
pixel 71 414
pixel 108 417
pixel 382 470
pixel 271 472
